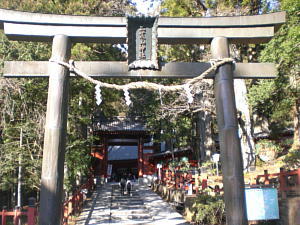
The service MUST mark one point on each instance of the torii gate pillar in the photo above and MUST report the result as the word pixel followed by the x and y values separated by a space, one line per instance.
pixel 55 135
pixel 140 157
pixel 105 158
pixel 231 155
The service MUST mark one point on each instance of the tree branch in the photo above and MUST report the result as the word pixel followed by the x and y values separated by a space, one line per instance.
pixel 199 2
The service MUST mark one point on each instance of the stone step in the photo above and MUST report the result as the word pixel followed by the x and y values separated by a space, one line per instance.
pixel 130 216
pixel 130 211
pixel 136 203
pixel 125 198
pixel 128 207
pixel 110 207
pixel 139 217
pixel 131 200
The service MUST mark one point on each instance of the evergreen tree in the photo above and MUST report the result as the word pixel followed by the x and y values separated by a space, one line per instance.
pixel 279 99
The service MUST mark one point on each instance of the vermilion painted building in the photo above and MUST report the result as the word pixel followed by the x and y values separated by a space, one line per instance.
pixel 123 147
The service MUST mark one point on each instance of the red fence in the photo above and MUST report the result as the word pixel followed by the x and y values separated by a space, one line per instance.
pixel 284 180
pixel 71 207
pixel 31 215
pixel 75 203
pixel 182 180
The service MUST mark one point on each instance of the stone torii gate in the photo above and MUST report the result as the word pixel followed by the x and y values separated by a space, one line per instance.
pixel 63 30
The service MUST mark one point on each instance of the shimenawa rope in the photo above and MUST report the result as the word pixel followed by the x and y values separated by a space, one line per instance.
pixel 215 63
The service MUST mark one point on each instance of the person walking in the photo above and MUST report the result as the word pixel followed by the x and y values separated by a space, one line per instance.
pixel 128 187
pixel 122 185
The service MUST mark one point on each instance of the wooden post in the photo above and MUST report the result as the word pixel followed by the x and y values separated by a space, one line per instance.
pixel 31 212
pixel 204 184
pixel 282 180
pixel 140 158
pixel 231 156
pixel 16 216
pixel 55 135
pixel 266 176
pixel 105 158
pixel 298 178
pixel 3 218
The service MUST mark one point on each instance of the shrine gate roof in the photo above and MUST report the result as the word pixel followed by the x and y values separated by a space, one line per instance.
pixel 42 27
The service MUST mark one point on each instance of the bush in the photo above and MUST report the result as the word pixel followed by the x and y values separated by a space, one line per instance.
pixel 292 159
pixel 268 150
pixel 209 210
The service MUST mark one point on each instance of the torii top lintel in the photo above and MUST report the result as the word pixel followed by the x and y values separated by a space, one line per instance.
pixel 171 30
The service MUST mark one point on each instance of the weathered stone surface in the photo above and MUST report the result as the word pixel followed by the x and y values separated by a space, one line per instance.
pixel 120 70
pixel 42 27
pixel 289 210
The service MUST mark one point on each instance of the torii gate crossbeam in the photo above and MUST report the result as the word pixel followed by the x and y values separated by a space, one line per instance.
pixel 64 30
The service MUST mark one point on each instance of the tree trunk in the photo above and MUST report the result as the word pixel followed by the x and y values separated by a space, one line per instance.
pixel 19 194
pixel 244 119
pixel 296 143
pixel 204 124
pixel 205 134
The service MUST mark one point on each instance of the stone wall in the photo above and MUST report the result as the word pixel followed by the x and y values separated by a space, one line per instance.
pixel 290 210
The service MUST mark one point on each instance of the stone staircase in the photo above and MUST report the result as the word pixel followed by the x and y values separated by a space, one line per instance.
pixel 127 209
pixel 108 206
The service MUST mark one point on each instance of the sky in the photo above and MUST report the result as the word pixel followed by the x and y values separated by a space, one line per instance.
pixel 143 6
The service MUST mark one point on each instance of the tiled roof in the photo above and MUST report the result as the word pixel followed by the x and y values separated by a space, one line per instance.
pixel 120 124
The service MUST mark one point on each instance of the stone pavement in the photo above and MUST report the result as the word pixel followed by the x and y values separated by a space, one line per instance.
pixel 143 206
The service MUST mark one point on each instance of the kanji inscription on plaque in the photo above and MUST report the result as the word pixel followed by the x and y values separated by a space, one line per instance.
pixel 142 43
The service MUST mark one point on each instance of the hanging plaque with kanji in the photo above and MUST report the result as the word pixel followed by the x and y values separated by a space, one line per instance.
pixel 142 43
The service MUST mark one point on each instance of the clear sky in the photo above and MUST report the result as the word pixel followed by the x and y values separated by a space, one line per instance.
pixel 146 6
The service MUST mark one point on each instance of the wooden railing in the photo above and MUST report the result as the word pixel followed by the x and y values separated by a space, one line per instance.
pixel 181 180
pixel 30 213
pixel 284 180
pixel 74 204
pixel 71 207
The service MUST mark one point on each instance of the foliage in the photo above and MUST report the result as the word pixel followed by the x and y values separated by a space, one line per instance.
pixel 72 7
pixel 23 101
pixel 181 165
pixel 173 165
pixel 185 166
pixel 278 100
pixel 209 210
pixel 21 119
pixel 196 53
pixel 292 159
pixel 181 8
pixel 209 167
pixel 12 155
pixel 268 144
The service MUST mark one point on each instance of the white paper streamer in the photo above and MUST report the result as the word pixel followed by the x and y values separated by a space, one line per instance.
pixel 98 94
pixel 212 62
pixel 188 93
pixel 127 97
pixel 161 101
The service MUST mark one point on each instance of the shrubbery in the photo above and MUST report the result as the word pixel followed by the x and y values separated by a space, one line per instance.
pixel 209 210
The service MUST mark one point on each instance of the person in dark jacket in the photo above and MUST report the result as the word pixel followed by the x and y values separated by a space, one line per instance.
pixel 122 185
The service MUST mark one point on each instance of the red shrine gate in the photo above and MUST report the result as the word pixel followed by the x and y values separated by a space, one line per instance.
pixel 122 132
